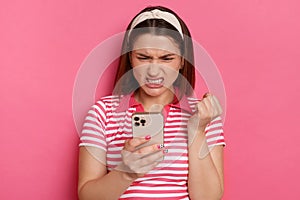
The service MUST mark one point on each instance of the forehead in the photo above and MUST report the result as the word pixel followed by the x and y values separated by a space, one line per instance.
pixel 148 43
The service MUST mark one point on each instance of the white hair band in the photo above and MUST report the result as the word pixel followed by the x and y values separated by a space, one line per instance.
pixel 157 14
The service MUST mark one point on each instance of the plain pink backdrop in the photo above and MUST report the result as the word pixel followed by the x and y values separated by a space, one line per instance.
pixel 255 44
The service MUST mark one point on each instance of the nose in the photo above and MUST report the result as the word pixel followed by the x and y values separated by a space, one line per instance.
pixel 153 69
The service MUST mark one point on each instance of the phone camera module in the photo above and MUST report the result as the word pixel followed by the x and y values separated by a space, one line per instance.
pixel 143 122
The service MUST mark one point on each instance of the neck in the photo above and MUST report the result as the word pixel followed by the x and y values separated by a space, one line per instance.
pixel 156 103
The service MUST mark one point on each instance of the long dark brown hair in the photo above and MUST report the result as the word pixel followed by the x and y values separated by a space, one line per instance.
pixel 185 82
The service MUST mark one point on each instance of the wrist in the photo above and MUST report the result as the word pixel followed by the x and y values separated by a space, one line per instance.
pixel 201 129
pixel 196 136
pixel 129 176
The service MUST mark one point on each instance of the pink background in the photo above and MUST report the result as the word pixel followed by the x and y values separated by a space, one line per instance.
pixel 255 44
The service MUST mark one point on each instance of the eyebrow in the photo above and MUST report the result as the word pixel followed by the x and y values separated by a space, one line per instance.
pixel 166 55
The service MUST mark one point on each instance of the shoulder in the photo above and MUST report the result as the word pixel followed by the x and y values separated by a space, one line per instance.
pixel 105 104
pixel 109 100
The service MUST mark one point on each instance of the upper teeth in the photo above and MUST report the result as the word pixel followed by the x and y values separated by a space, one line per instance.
pixel 155 81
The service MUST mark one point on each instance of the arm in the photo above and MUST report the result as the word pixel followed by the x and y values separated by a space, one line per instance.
pixel 206 174
pixel 94 181
pixel 206 179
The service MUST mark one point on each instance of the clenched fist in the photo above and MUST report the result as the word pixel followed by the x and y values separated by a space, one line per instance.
pixel 206 110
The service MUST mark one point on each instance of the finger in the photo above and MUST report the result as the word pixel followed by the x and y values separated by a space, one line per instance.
pixel 154 157
pixel 213 108
pixel 208 104
pixel 149 149
pixel 127 146
pixel 218 105
pixel 216 109
pixel 148 160
pixel 201 107
pixel 131 144
pixel 129 157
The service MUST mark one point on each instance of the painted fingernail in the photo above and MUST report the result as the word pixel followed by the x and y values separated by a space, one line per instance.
pixel 206 94
pixel 147 137
pixel 160 146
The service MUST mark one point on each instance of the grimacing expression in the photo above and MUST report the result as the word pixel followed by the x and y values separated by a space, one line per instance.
pixel 156 62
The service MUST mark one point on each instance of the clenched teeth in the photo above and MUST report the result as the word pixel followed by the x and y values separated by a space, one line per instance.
pixel 155 81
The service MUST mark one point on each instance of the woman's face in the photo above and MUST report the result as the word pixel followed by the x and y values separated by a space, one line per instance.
pixel 156 62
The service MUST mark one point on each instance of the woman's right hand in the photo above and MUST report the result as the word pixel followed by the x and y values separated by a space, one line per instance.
pixel 136 162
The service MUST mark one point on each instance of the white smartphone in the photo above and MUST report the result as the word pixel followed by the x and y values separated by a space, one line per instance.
pixel 148 123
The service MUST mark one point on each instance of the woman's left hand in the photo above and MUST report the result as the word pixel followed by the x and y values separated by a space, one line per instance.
pixel 207 109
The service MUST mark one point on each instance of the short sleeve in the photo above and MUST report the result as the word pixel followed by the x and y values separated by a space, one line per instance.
pixel 93 131
pixel 214 133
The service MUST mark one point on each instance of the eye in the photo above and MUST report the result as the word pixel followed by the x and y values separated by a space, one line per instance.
pixel 167 58
pixel 143 58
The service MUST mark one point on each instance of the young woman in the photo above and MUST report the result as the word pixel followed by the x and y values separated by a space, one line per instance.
pixel 155 73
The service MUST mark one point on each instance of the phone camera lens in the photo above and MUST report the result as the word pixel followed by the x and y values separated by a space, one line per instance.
pixel 143 121
pixel 136 118
pixel 136 124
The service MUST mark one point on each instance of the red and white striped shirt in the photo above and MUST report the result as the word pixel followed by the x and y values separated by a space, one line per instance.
pixel 108 125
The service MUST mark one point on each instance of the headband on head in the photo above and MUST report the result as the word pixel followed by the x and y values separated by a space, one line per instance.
pixel 157 14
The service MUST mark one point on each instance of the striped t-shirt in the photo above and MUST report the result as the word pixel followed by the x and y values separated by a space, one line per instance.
pixel 108 125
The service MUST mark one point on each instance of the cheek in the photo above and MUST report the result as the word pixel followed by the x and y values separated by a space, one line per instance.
pixel 135 62
pixel 171 75
pixel 173 68
pixel 178 64
pixel 174 65
pixel 138 73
